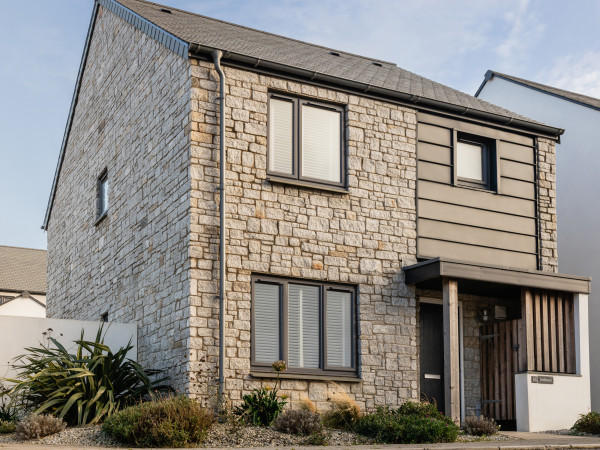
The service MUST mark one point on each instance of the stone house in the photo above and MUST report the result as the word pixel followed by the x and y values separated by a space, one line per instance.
pixel 22 281
pixel 384 234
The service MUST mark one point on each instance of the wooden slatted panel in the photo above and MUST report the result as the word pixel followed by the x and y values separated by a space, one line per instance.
pixel 539 363
pixel 553 334
pixel 499 361
pixel 545 332
pixel 548 332
pixel 561 332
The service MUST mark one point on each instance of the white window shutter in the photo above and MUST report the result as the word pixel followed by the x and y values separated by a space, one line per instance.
pixel 281 132
pixel 266 322
pixel 321 144
pixel 303 326
pixel 339 329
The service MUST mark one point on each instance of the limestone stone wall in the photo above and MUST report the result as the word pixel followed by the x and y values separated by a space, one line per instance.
pixel 547 204
pixel 363 237
pixel 131 119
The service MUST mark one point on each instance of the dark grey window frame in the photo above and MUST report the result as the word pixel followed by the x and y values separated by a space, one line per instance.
pixel 297 175
pixel 324 287
pixel 488 160
pixel 101 209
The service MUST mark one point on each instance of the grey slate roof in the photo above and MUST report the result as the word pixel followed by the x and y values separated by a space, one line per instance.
pixel 22 269
pixel 228 37
pixel 567 95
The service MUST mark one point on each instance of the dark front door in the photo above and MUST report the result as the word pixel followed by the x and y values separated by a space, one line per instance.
pixel 432 353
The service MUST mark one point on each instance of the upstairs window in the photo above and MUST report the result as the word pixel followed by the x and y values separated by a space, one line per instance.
pixel 306 140
pixel 312 326
pixel 102 196
pixel 474 156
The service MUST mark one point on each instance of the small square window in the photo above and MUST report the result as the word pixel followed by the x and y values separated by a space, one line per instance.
pixel 306 140
pixel 474 157
pixel 102 196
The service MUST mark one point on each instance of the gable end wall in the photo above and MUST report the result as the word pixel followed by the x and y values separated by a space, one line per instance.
pixel 131 118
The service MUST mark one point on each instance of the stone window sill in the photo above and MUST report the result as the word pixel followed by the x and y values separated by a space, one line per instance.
pixel 307 184
pixel 299 376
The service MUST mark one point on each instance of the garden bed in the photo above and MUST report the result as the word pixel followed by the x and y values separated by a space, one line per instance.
pixel 221 435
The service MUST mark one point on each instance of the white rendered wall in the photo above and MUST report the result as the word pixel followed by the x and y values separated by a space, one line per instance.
pixel 542 407
pixel 578 190
pixel 23 306
pixel 16 333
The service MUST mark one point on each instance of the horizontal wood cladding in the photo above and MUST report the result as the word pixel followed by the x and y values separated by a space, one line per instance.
pixel 496 226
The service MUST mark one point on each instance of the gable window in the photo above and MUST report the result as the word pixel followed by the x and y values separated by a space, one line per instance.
pixel 310 325
pixel 306 140
pixel 473 160
pixel 102 196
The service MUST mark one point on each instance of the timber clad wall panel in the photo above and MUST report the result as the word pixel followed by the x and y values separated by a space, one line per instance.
pixel 477 254
pixel 443 212
pixel 476 225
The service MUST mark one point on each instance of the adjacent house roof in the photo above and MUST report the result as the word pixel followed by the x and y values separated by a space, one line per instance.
pixel 188 34
pixel 574 97
pixel 22 269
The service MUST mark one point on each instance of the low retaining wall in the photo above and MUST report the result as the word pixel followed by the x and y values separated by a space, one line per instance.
pixel 16 333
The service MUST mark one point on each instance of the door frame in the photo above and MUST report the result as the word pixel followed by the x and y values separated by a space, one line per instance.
pixel 439 301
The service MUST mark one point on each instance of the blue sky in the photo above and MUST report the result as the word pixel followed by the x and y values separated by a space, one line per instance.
pixel 451 41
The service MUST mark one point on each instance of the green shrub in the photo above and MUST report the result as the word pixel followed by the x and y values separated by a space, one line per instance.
pixel 320 438
pixel 168 422
pixel 84 387
pixel 412 423
pixel 301 422
pixel 37 426
pixel 344 413
pixel 588 423
pixel 480 426
pixel 263 405
pixel 7 427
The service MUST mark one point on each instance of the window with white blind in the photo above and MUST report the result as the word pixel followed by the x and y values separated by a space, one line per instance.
pixel 306 140
pixel 310 325
pixel 474 159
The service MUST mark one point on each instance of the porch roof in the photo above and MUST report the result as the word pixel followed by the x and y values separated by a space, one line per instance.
pixel 428 275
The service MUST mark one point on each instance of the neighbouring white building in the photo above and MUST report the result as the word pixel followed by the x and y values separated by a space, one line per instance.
pixel 578 158
pixel 22 282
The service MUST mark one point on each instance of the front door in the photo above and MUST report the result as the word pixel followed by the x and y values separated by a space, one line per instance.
pixel 432 353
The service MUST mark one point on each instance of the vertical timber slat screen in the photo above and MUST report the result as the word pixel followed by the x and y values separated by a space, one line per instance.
pixel 505 348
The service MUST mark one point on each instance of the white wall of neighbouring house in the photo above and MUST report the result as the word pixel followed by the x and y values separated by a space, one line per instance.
pixel 578 190
pixel 23 306
pixel 17 333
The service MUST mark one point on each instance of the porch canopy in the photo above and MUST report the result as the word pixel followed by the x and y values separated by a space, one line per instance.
pixel 538 329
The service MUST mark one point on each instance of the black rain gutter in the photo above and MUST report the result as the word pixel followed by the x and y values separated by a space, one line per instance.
pixel 63 146
pixel 548 131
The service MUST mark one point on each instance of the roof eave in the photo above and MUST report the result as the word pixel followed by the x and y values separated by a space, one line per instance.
pixel 203 51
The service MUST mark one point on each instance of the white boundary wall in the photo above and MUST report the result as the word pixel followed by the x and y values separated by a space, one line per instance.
pixel 16 333
pixel 542 407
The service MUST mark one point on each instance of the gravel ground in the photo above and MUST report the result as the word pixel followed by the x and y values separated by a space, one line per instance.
pixel 225 435
pixel 220 435
pixel 75 436
pixel 569 432
pixel 495 437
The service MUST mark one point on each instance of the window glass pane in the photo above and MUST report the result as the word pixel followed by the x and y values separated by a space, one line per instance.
pixel 470 161
pixel 103 195
pixel 321 152
pixel 281 136
pixel 339 329
pixel 303 326
pixel 266 322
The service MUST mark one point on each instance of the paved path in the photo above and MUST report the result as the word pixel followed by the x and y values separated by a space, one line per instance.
pixel 521 441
